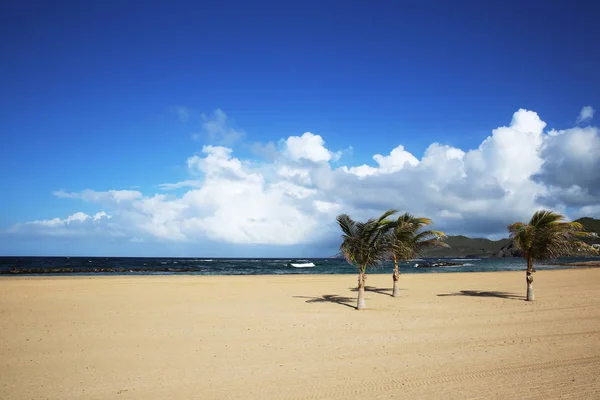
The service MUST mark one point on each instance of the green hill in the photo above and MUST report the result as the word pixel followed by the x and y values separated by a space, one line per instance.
pixel 462 246
pixel 591 225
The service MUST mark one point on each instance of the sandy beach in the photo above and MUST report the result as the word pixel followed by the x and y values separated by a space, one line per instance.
pixel 450 336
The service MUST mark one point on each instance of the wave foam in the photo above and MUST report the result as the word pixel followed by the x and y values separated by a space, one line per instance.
pixel 303 265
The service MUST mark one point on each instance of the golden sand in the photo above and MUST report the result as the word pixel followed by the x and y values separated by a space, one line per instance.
pixel 450 336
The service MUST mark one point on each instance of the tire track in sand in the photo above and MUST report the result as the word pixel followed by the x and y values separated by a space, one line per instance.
pixel 407 385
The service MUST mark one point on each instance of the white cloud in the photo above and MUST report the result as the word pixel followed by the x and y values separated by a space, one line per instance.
pixel 361 171
pixel 179 185
pixel 309 147
pixel 398 159
pixel 294 173
pixel 326 206
pixel 216 129
pixel 570 167
pixel 77 224
pixel 450 214
pixel 219 163
pixel 585 114
pixel 292 197
pixel 99 215
pixel 586 211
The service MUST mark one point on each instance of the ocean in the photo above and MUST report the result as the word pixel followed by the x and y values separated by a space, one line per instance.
pixel 249 266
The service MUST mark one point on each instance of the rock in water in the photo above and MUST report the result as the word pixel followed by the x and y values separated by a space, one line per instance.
pixel 438 264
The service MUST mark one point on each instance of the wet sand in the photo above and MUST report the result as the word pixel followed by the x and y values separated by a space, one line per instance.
pixel 450 336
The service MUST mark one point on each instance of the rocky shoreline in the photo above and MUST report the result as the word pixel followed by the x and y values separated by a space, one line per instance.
pixel 590 264
pixel 439 264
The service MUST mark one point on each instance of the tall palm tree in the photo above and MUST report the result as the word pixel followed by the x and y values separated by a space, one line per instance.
pixel 547 237
pixel 407 240
pixel 364 244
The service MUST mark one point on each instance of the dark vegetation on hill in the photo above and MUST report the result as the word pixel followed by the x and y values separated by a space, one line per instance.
pixel 462 246
pixel 591 225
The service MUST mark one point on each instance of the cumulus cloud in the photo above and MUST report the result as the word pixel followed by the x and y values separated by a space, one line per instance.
pixel 398 159
pixel 292 196
pixel 484 188
pixel 585 114
pixel 570 167
pixel 307 147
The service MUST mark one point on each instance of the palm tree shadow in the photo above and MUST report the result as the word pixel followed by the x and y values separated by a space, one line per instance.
pixel 477 293
pixel 374 289
pixel 330 298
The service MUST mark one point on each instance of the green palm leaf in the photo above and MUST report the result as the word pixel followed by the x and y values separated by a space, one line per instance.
pixel 547 237
pixel 364 244
pixel 407 239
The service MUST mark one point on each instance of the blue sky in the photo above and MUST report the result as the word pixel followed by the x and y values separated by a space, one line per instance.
pixel 115 96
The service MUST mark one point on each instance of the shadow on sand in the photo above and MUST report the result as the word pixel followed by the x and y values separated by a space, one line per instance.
pixel 330 298
pixel 477 293
pixel 384 291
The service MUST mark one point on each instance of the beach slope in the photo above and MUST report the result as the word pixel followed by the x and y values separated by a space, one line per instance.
pixel 450 336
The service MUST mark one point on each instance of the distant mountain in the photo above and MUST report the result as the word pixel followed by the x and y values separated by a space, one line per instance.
pixel 591 225
pixel 462 246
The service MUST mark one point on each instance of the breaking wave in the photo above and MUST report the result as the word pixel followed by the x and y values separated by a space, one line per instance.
pixel 303 265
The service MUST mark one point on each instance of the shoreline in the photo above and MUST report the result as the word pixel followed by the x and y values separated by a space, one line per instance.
pixel 589 264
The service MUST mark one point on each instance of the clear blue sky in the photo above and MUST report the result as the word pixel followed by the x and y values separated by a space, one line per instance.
pixel 88 88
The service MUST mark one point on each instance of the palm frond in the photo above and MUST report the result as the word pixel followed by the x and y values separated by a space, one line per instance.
pixel 364 244
pixel 547 237
pixel 347 224
pixel 543 218
pixel 407 239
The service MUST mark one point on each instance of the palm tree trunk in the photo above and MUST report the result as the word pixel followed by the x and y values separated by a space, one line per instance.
pixel 396 277
pixel 361 304
pixel 529 278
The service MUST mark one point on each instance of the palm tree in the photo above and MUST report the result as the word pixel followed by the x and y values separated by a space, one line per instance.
pixel 407 241
pixel 547 237
pixel 364 244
